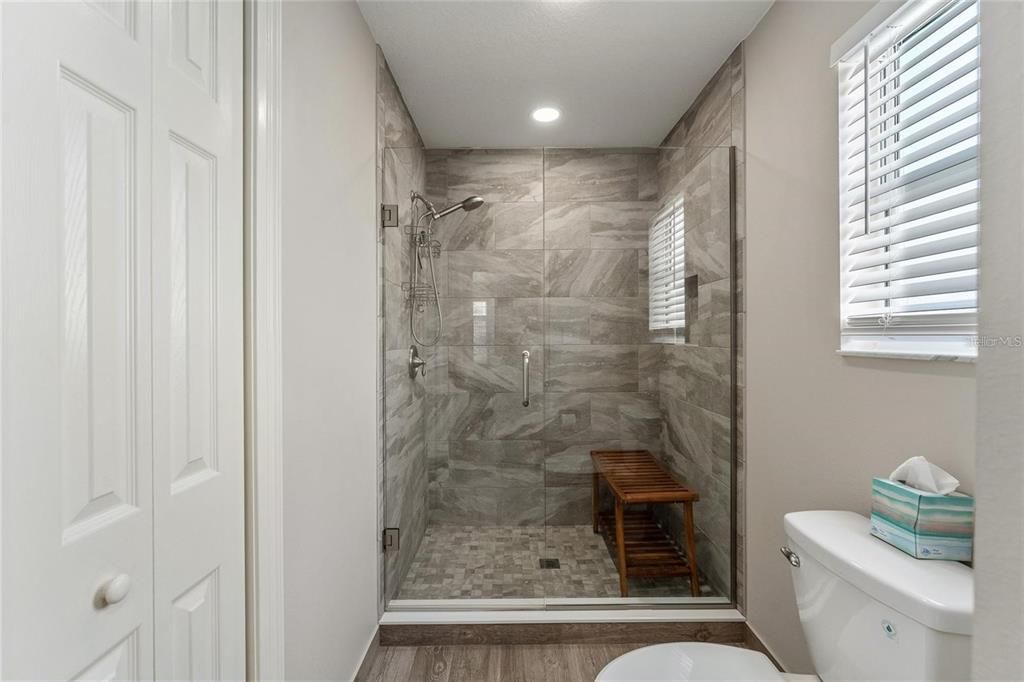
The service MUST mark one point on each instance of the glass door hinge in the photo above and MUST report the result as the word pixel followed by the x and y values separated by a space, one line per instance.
pixel 389 215
pixel 390 539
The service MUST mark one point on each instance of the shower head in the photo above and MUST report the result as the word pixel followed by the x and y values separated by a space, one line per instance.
pixel 469 204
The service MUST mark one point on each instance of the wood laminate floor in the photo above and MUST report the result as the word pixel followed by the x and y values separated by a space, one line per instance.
pixel 487 663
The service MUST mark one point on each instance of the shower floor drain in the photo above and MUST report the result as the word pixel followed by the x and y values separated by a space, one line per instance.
pixel 550 563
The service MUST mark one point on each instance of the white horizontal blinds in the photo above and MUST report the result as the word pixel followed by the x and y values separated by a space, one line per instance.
pixel 667 276
pixel 909 175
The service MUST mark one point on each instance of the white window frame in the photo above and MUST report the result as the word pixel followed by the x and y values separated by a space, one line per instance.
pixel 909 83
pixel 667 273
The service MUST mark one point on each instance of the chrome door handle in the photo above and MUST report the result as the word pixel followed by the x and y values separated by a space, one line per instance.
pixel 791 556
pixel 526 378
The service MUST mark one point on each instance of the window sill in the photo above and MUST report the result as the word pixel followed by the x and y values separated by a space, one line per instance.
pixel 907 355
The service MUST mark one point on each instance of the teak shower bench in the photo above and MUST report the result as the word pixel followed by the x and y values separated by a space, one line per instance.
pixel 643 547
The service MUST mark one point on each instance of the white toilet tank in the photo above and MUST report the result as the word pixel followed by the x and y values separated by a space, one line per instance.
pixel 871 612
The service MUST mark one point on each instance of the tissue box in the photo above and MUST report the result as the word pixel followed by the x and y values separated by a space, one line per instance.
pixel 924 525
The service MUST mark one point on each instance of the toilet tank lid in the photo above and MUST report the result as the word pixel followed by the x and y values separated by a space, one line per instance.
pixel 938 594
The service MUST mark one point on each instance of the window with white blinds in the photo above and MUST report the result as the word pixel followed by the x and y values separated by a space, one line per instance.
pixel 667 275
pixel 908 106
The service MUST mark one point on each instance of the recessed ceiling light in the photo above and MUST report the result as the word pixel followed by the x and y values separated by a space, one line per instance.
pixel 546 114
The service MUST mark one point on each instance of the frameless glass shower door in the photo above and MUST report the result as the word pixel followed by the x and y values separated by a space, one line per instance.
pixel 547 353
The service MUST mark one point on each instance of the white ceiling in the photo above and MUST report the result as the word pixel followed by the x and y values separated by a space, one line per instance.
pixel 621 72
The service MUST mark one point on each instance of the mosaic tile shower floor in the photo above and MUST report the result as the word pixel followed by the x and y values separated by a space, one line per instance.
pixel 494 562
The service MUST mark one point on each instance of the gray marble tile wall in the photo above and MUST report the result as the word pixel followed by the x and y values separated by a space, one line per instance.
pixel 402 455
pixel 695 378
pixel 553 263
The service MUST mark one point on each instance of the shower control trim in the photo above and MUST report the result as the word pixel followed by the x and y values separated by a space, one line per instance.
pixel 526 378
pixel 416 363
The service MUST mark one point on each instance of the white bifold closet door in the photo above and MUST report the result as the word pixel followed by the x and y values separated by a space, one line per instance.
pixel 121 281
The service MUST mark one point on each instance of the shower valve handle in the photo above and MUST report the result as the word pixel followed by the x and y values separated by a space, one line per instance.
pixel 416 363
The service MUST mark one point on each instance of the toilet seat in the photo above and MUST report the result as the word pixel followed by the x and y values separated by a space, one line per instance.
pixel 690 661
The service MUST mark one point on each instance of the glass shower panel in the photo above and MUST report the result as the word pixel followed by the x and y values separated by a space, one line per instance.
pixel 611 383
pixel 404 397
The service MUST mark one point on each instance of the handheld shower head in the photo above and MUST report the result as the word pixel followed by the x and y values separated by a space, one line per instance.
pixel 472 203
pixel 469 204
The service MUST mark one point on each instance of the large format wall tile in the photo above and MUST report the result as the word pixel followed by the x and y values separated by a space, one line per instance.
pixel 567 321
pixel 614 418
pixel 521 506
pixel 495 273
pixel 396 126
pixel 492 369
pixel 567 505
pixel 436 181
pixel 437 462
pixel 701 375
pixel 396 255
pixel 519 321
pixel 621 225
pixel 582 272
pixel 592 368
pixel 403 171
pixel 713 326
pixel 568 463
pixel 650 361
pixel 647 176
pixel 567 417
pixel 482 416
pixel 469 321
pixel 495 175
pixel 496 463
pixel 708 253
pixel 635 417
pixel 566 225
pixel 618 320
pixel 590 175
pixel 495 225
pixel 450 505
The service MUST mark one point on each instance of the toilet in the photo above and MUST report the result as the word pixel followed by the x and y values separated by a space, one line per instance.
pixel 868 612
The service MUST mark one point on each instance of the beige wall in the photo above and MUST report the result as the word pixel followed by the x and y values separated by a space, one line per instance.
pixel 999 552
pixel 329 321
pixel 819 425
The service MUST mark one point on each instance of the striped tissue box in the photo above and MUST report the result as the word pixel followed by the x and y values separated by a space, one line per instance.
pixel 924 525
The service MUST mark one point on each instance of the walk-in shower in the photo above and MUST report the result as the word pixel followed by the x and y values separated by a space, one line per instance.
pixel 555 257
pixel 423 292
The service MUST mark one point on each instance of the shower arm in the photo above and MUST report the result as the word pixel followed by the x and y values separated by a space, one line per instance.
pixel 431 211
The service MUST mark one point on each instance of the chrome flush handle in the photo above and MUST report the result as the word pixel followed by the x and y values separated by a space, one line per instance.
pixel 791 556
pixel 526 378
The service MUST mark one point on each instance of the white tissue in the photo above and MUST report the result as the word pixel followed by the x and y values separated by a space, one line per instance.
pixel 918 472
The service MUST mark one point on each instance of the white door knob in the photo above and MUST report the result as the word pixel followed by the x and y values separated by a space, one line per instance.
pixel 116 589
